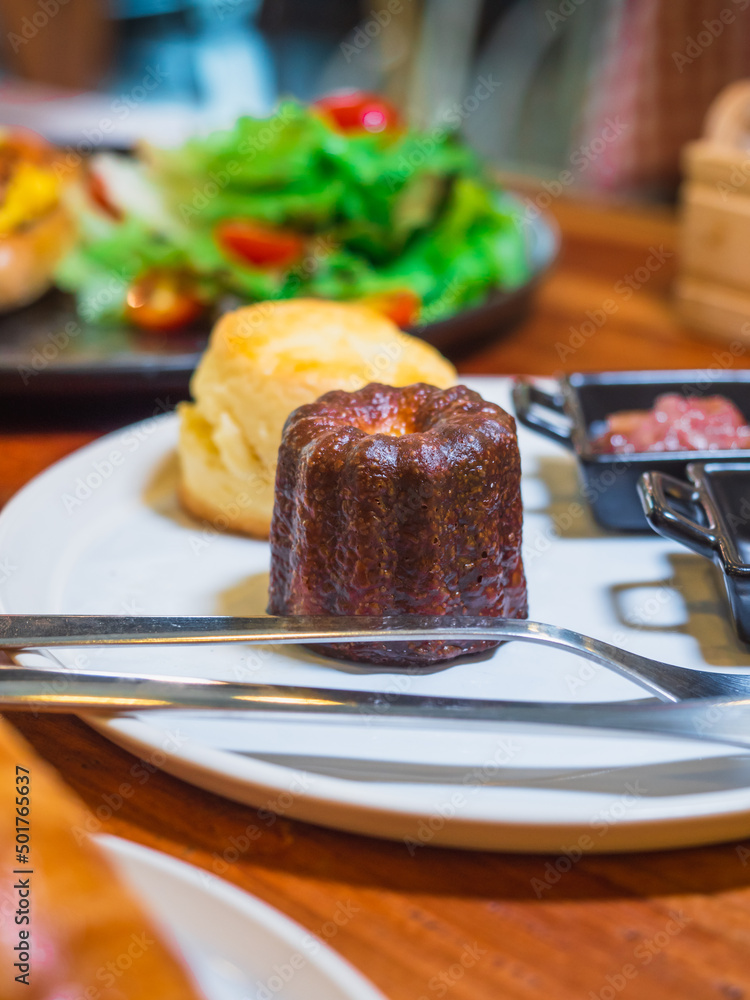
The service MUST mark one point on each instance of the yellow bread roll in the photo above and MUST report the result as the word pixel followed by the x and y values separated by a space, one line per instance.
pixel 86 936
pixel 29 255
pixel 262 362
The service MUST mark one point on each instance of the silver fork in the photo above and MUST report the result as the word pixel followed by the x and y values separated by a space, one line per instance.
pixel 666 681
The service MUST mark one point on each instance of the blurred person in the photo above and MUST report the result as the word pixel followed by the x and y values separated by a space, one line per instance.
pixel 604 96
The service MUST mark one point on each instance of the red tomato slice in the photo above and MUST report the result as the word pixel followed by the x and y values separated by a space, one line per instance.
pixel 259 245
pixel 162 301
pixel 359 111
pixel 98 194
pixel 402 306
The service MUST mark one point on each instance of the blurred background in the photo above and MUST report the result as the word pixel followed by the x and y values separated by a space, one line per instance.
pixel 585 94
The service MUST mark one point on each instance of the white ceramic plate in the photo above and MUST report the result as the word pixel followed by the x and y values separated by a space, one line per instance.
pixel 235 945
pixel 102 532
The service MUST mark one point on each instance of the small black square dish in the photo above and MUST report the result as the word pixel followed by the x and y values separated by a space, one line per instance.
pixel 710 514
pixel 575 411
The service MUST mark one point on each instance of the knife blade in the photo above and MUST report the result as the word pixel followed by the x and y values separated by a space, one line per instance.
pixel 43 690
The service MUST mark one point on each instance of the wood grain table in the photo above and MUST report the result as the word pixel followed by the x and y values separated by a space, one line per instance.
pixel 471 926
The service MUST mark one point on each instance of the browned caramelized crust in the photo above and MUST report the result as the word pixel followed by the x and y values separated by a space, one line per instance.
pixel 398 501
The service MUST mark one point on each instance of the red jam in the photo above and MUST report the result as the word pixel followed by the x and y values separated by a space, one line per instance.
pixel 675 423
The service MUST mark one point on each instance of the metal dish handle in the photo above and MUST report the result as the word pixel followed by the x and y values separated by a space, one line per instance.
pixel 530 403
pixel 657 489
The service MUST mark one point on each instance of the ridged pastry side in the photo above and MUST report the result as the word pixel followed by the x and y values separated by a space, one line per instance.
pixel 399 501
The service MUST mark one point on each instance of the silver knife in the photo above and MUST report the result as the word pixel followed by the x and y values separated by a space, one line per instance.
pixel 43 690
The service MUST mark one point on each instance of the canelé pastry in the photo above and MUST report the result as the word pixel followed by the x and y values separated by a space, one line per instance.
pixel 84 934
pixel 398 501
pixel 262 362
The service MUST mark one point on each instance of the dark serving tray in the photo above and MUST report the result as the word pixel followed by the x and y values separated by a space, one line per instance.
pixel 573 413
pixel 47 351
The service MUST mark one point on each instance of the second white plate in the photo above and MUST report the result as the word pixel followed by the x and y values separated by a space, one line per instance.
pixel 235 945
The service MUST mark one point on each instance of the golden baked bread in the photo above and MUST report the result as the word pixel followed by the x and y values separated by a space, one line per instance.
pixel 29 255
pixel 86 936
pixel 262 362
pixel 36 229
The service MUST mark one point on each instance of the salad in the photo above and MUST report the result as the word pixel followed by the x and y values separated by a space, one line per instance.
pixel 337 200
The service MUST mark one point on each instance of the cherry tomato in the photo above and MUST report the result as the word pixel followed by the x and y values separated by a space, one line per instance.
pixel 98 194
pixel 359 112
pixel 259 245
pixel 401 305
pixel 162 300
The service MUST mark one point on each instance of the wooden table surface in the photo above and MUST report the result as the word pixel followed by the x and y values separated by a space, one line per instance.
pixel 446 922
